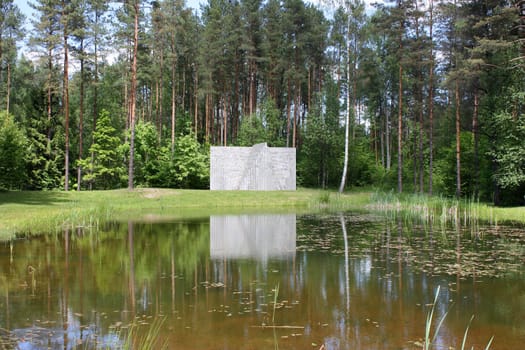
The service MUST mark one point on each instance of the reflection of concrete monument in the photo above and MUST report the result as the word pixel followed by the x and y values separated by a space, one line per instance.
pixel 259 168
pixel 252 236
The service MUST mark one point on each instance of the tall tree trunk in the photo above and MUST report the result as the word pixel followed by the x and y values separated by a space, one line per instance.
pixel 458 140
pixel 420 107
pixel 400 112
pixel 133 94
pixel 8 92
pixel 252 87
pixel 348 110
pixel 296 111
pixel 49 94
pixel 196 104
pixel 161 94
pixel 66 106
pixel 476 143
pixel 81 116
pixel 95 91
pixel 400 132
pixel 173 104
pixel 288 117
pixel 387 140
pixel 225 112
pixel 431 100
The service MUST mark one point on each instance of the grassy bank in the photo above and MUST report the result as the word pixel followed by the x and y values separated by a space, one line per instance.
pixel 37 212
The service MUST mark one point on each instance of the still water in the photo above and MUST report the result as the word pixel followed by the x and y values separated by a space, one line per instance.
pixel 332 281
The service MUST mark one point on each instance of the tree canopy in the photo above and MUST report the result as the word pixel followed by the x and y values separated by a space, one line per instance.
pixel 428 94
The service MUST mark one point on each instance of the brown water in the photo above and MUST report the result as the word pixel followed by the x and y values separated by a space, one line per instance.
pixel 265 282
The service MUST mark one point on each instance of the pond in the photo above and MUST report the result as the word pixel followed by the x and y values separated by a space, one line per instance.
pixel 320 281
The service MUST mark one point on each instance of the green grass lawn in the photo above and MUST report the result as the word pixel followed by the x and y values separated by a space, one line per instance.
pixel 36 212
pixel 41 212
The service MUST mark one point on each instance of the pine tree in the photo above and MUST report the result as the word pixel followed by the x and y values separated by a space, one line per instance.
pixel 104 169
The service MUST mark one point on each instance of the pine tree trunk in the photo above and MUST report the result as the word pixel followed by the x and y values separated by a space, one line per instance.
pixel 458 141
pixel 296 111
pixel 419 124
pixel 225 117
pixel 173 106
pixel 400 133
pixel 196 104
pixel 431 100
pixel 8 92
pixel 476 143
pixel 66 109
pixel 133 97
pixel 288 112
pixel 400 113
pixel 81 117
pixel 161 93
pixel 387 141
pixel 49 93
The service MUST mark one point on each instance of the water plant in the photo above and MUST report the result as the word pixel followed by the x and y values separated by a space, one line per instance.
pixel 428 325
pixel 149 340
pixel 275 295
pixel 429 340
pixel 441 209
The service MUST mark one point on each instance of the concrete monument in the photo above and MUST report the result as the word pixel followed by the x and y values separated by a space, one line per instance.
pixel 259 168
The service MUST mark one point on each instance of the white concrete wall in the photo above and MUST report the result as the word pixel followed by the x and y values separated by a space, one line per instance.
pixel 260 168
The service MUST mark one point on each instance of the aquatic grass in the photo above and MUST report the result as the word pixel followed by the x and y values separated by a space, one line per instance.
pixel 445 211
pixel 428 341
pixel 275 295
pixel 134 336
pixel 149 340
pixel 428 325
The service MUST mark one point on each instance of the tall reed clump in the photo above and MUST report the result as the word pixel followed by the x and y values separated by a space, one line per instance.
pixel 139 339
pixel 429 340
pixel 435 209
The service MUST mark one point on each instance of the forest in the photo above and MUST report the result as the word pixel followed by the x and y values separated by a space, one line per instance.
pixel 406 96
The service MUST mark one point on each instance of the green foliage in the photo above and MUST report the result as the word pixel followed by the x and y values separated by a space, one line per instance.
pixel 43 158
pixel 509 152
pixel 445 172
pixel 251 132
pixel 104 170
pixel 264 126
pixel 273 122
pixel 146 152
pixel 319 157
pixel 13 152
pixel 191 165
pixel 188 167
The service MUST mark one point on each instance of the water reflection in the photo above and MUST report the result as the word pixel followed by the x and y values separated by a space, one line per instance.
pixel 337 281
pixel 253 236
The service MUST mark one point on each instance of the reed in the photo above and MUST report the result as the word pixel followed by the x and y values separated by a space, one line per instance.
pixel 150 340
pixel 442 210
pixel 429 340
pixel 275 295
pixel 428 325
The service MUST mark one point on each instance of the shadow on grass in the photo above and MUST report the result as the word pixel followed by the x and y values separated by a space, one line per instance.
pixel 32 197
